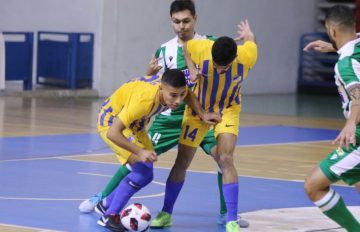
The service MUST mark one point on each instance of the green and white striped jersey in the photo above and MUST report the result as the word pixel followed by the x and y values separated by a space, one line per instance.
pixel 171 54
pixel 347 72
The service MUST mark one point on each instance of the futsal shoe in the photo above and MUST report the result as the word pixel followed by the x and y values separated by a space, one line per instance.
pixel 242 222
pixel 162 220
pixel 100 208
pixel 232 226
pixel 112 222
pixel 88 205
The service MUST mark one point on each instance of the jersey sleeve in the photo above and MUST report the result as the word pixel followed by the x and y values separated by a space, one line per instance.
pixel 347 70
pixel 132 112
pixel 192 46
pixel 247 55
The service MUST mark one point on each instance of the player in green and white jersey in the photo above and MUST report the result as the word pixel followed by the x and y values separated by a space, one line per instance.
pixel 165 130
pixel 344 162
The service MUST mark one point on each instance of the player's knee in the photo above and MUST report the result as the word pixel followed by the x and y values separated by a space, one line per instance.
pixel 225 161
pixel 142 174
pixel 310 187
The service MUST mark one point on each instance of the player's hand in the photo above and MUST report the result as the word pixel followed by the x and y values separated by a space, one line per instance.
pixel 244 31
pixel 147 156
pixel 347 135
pixel 211 118
pixel 153 66
pixel 319 46
pixel 195 74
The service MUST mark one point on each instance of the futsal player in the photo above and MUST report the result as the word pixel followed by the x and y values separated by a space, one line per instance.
pixel 344 162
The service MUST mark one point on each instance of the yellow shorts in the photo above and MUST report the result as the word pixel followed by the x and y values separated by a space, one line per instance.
pixel 193 129
pixel 140 139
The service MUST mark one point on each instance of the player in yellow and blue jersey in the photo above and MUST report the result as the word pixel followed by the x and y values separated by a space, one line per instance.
pixel 122 124
pixel 219 67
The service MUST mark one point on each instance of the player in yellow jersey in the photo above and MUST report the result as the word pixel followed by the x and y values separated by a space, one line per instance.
pixel 122 124
pixel 219 68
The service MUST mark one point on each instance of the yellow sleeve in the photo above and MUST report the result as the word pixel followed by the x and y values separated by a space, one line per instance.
pixel 194 47
pixel 132 112
pixel 247 55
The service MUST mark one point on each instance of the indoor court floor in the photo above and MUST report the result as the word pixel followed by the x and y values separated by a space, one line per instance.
pixel 51 159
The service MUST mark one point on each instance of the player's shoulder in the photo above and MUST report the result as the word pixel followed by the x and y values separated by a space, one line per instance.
pixel 167 46
pixel 199 44
pixel 171 42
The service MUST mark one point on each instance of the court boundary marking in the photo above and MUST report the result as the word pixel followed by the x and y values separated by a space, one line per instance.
pixel 67 157
pixel 82 199
pixel 29 228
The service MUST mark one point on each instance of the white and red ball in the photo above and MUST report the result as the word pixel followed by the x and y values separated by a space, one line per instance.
pixel 136 217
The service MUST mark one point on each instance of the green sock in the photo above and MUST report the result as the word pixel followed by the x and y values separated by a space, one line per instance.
pixel 115 180
pixel 334 207
pixel 223 209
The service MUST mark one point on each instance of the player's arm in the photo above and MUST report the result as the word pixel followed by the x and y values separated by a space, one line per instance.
pixel 319 46
pixel 115 135
pixel 193 103
pixel 194 71
pixel 347 135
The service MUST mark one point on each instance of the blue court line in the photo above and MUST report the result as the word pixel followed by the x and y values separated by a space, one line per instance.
pixel 72 144
pixel 195 210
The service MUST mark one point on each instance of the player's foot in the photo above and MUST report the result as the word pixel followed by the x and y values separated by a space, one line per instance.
pixel 162 220
pixel 100 208
pixel 232 226
pixel 242 222
pixel 88 205
pixel 112 222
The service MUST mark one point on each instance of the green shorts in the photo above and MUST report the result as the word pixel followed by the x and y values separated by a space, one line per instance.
pixel 342 164
pixel 165 131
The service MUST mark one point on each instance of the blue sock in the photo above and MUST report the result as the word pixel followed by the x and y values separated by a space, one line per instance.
pixel 231 193
pixel 172 191
pixel 141 175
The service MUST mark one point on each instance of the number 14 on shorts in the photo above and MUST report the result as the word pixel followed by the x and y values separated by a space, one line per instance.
pixel 190 134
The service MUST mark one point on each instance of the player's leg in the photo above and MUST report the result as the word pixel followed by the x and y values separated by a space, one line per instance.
pixel 226 135
pixel 88 205
pixel 174 185
pixel 340 164
pixel 140 176
pixel 192 133
pixel 226 145
pixel 164 133
pixel 208 144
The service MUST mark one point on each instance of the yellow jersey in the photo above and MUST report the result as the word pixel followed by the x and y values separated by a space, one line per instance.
pixel 134 103
pixel 218 91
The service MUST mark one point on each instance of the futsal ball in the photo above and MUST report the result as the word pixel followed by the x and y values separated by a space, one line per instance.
pixel 136 217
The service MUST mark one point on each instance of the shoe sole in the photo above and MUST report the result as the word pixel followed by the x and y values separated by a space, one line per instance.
pixel 160 227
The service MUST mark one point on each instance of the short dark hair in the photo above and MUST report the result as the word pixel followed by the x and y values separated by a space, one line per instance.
pixel 342 15
pixel 224 50
pixel 174 78
pixel 181 5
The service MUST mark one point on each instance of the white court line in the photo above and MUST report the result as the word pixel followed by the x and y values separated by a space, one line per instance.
pixel 81 199
pixel 29 228
pixel 66 157
pixel 174 149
